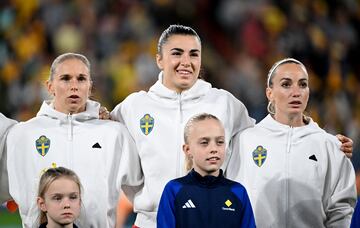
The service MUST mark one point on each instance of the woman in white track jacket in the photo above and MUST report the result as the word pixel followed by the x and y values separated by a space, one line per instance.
pixel 295 173
pixel 67 132
pixel 156 119
pixel 5 124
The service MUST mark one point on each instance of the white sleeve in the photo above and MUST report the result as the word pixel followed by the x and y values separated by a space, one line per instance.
pixel 233 167
pixel 131 175
pixel 122 110
pixel 240 121
pixel 130 172
pixel 340 191
pixel 5 125
pixel 116 114
pixel 4 180
pixel 240 116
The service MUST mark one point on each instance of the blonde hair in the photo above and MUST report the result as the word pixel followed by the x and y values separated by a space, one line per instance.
pixel 49 177
pixel 281 62
pixel 66 56
pixel 187 128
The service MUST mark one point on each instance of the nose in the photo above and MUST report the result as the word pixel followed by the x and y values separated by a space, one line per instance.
pixel 74 85
pixel 185 60
pixel 66 203
pixel 296 91
pixel 214 148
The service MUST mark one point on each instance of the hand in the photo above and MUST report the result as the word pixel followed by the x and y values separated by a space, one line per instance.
pixel 11 206
pixel 346 145
pixel 104 114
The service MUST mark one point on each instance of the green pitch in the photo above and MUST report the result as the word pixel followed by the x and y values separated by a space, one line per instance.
pixel 9 220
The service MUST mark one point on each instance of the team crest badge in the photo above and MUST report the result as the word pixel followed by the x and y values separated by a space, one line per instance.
pixel 42 145
pixel 146 124
pixel 259 155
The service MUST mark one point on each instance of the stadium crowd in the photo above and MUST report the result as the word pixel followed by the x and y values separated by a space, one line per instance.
pixel 241 39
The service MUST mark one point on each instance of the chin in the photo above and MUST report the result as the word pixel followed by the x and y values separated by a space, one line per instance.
pixel 184 87
pixel 76 109
pixel 186 84
pixel 295 113
pixel 67 221
pixel 213 170
pixel 64 223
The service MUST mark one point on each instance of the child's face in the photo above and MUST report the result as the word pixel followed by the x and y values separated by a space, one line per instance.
pixel 206 146
pixel 61 202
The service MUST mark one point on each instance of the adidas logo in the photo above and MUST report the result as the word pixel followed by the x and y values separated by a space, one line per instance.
pixel 96 145
pixel 313 157
pixel 189 204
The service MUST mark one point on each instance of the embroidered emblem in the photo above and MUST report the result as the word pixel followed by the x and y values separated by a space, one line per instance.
pixel 146 124
pixel 259 155
pixel 42 145
pixel 228 203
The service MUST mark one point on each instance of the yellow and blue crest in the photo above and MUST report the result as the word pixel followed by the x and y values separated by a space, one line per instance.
pixel 259 155
pixel 146 124
pixel 42 145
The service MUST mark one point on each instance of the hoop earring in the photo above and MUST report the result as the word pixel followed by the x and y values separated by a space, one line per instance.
pixel 270 108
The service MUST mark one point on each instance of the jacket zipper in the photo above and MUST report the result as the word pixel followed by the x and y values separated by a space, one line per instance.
pixel 288 148
pixel 70 138
pixel 180 116
pixel 70 130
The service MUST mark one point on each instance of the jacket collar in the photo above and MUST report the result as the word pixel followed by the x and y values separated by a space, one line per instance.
pixel 159 91
pixel 278 128
pixel 91 112
pixel 209 180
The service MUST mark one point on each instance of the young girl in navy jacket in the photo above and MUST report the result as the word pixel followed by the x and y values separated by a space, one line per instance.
pixel 204 197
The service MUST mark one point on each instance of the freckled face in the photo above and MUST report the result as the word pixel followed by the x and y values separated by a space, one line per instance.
pixel 180 61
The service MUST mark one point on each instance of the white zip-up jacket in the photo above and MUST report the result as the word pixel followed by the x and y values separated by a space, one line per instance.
pixel 295 176
pixel 5 124
pixel 156 121
pixel 89 146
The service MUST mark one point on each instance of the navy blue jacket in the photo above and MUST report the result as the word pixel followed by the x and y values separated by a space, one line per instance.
pixel 196 201
pixel 355 222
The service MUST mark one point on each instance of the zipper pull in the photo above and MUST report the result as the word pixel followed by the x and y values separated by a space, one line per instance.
pixel 70 130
